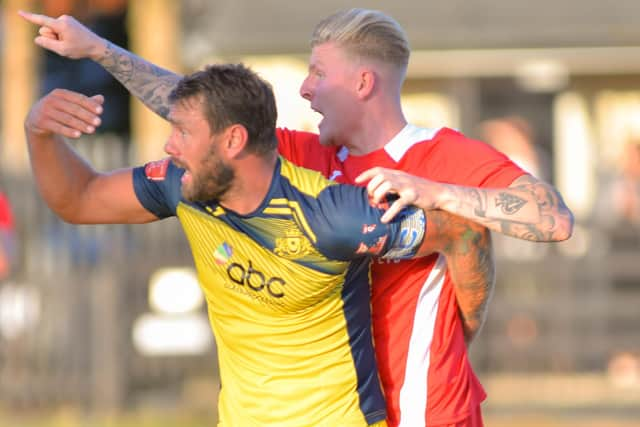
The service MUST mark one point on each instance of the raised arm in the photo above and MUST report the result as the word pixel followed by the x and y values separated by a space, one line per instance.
pixel 528 209
pixel 68 37
pixel 68 184
pixel 469 254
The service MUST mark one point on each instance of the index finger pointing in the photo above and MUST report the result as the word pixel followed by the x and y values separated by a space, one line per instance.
pixel 37 19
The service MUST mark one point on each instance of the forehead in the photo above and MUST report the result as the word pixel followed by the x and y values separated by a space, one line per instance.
pixel 328 52
pixel 188 108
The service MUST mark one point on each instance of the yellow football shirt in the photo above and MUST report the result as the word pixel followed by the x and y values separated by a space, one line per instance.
pixel 287 290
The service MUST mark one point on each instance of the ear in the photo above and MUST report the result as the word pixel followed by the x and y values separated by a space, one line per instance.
pixel 366 82
pixel 235 139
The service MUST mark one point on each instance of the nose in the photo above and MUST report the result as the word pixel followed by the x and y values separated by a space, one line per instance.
pixel 305 89
pixel 170 146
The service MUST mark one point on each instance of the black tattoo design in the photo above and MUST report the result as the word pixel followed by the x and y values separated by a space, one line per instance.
pixel 509 203
pixel 480 207
pixel 147 82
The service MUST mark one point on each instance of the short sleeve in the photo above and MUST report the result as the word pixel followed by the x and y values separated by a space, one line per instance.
pixel 353 228
pixel 158 187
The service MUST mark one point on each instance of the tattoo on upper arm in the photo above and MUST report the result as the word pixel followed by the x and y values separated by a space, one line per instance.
pixel 470 262
pixel 468 239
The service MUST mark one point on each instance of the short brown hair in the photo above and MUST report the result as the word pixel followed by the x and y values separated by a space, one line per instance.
pixel 234 94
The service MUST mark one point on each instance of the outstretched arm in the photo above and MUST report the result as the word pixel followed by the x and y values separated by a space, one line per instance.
pixel 68 37
pixel 528 209
pixel 68 184
pixel 468 251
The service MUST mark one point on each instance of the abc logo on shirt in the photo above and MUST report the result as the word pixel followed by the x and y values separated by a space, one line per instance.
pixel 255 279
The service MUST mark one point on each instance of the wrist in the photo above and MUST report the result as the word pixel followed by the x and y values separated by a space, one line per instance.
pixel 99 49
pixel 444 196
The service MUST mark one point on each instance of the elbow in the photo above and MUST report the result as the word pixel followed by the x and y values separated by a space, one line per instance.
pixel 72 220
pixel 70 216
pixel 564 227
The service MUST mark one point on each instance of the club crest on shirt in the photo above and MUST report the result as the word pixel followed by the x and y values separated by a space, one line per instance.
pixel 293 245
pixel 157 170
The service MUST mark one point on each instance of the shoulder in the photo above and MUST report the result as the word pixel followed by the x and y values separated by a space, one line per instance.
pixel 455 158
pixel 158 186
pixel 430 143
pixel 306 181
pixel 304 149
pixel 289 136
pixel 451 142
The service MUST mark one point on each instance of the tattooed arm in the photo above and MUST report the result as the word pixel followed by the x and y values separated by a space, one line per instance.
pixel 528 209
pixel 67 37
pixel 146 81
pixel 468 251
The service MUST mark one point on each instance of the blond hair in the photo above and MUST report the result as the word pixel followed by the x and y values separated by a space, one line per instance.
pixel 368 34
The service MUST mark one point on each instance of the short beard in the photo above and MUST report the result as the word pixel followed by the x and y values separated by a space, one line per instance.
pixel 212 183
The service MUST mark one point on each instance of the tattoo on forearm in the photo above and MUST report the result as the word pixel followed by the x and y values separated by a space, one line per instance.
pixel 532 210
pixel 509 203
pixel 145 81
pixel 522 231
pixel 476 200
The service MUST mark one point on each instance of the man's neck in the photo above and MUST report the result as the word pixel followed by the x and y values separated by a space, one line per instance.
pixel 374 134
pixel 251 184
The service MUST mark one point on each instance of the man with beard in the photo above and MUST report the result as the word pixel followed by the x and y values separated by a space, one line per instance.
pixel 282 253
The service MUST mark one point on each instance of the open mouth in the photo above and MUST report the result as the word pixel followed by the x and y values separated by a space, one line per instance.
pixel 320 114
pixel 186 176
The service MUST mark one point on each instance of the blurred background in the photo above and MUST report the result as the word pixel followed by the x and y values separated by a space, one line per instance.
pixel 105 325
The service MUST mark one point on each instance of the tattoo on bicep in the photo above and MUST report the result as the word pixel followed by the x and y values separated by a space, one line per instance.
pixel 475 273
pixel 509 203
pixel 468 239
